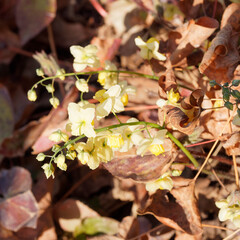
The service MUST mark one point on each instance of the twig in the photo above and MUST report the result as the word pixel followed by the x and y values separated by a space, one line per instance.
pixel 213 147
pixel 231 236
pixel 218 227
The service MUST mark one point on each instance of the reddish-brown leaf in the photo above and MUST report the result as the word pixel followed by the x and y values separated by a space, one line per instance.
pixel 221 59
pixel 18 206
pixel 33 16
pixel 142 169
pixel 198 32
pixel 186 119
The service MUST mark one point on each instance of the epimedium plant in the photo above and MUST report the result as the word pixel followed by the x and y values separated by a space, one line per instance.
pixel 103 143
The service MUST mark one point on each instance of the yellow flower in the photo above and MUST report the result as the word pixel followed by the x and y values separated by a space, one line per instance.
pixel 82 85
pixel 164 182
pixel 173 97
pixel 58 136
pixel 154 145
pixel 108 79
pixel 81 118
pixel 60 161
pixel 54 102
pixel 149 49
pixel 48 170
pixel 115 140
pixel 84 56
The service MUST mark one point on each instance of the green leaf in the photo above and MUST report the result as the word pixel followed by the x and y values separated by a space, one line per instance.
pixel 94 225
pixel 226 93
pixel 212 83
pixel 226 84
pixel 235 83
pixel 228 105
pixel 235 93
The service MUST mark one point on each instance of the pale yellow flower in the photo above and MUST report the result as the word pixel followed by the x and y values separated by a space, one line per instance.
pixel 60 161
pixel 149 49
pixel 54 102
pixel 164 182
pixel 154 145
pixel 82 85
pixel 84 56
pixel 48 170
pixel 81 119
pixel 108 79
pixel 110 101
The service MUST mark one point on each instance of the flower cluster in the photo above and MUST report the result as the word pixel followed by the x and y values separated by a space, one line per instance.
pixel 101 144
pixel 230 208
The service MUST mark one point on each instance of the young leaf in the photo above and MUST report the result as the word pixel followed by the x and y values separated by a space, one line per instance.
pixel 212 83
pixel 226 93
pixel 235 93
pixel 235 83
pixel 228 105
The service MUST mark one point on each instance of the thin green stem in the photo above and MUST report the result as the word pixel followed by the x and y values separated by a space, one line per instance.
pixel 186 152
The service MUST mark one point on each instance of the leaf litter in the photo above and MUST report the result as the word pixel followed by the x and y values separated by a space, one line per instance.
pixel 197 51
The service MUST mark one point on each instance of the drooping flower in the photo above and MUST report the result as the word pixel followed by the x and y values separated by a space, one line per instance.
pixel 164 182
pixel 108 79
pixel 54 102
pixel 81 119
pixel 82 85
pixel 58 136
pixel 230 208
pixel 60 161
pixel 93 152
pixel 149 49
pixel 110 101
pixel 154 145
pixel 84 56
pixel 131 136
pixel 48 170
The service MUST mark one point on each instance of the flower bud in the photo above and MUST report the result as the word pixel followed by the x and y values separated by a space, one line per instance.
pixel 32 96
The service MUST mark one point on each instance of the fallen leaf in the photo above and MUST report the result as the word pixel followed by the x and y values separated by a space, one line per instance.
pixel 18 206
pixel 186 118
pixel 33 16
pixel 232 145
pixel 198 32
pixel 181 214
pixel 142 169
pixel 222 58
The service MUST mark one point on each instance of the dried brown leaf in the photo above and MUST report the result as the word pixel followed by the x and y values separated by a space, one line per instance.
pixel 18 206
pixel 181 214
pixel 185 119
pixel 142 169
pixel 232 145
pixel 231 16
pixel 221 59
pixel 197 33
